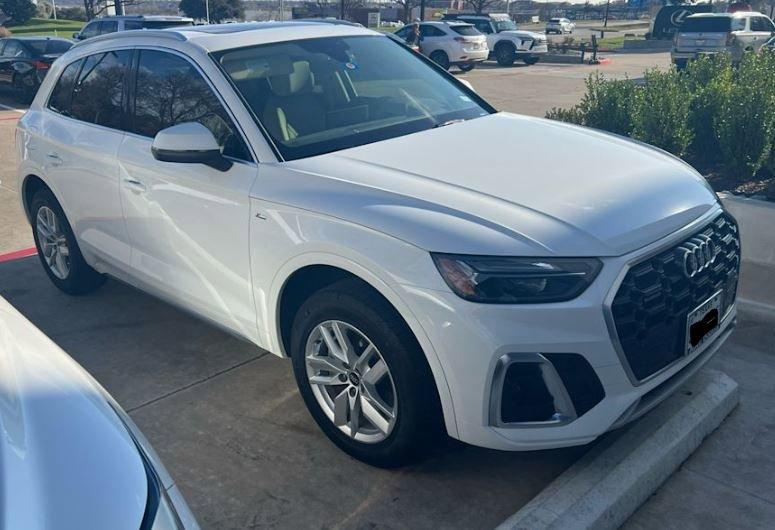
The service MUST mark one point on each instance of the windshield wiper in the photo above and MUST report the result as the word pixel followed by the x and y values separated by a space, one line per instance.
pixel 448 122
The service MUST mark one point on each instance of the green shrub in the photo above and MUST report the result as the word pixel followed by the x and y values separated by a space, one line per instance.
pixel 609 104
pixel 709 82
pixel 746 122
pixel 714 114
pixel 661 117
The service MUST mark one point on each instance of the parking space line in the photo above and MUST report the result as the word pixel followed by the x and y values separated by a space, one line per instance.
pixel 18 254
pixel 6 107
pixel 198 382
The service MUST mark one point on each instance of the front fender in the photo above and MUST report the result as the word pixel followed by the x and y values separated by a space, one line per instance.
pixel 299 238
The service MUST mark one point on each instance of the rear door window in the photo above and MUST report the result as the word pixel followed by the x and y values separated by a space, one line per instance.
pixel 58 46
pixel 761 24
pixel 62 94
pixel 98 94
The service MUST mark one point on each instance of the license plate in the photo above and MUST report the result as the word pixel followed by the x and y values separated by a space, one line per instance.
pixel 702 323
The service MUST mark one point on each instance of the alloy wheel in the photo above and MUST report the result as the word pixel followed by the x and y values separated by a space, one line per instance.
pixel 53 243
pixel 351 381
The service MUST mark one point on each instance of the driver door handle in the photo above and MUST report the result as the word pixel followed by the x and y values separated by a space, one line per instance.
pixel 134 185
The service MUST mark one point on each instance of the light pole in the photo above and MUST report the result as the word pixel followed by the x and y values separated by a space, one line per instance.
pixel 54 7
pixel 207 10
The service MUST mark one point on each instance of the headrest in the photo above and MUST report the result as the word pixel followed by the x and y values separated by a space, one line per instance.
pixel 294 79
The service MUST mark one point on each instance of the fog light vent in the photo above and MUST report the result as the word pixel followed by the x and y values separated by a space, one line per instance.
pixel 525 396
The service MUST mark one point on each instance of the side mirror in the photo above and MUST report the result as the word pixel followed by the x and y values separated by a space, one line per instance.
pixel 189 143
pixel 77 35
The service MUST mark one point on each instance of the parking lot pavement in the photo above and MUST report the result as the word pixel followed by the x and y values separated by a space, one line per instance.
pixel 232 429
pixel 729 482
pixel 533 90
pixel 14 231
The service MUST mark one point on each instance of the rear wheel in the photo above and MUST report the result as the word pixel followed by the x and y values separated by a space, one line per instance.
pixel 57 248
pixel 440 58
pixel 364 377
pixel 467 67
pixel 530 60
pixel 505 54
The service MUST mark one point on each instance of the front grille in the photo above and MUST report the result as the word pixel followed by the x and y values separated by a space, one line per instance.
pixel 652 304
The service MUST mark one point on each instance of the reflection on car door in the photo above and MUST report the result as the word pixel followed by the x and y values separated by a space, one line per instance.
pixel 82 125
pixel 12 52
pixel 188 223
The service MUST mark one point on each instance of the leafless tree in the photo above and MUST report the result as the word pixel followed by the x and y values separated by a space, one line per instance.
pixel 480 6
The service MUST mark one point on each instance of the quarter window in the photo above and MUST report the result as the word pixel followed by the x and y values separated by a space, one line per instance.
pixel 98 93
pixel 63 90
pixel 170 91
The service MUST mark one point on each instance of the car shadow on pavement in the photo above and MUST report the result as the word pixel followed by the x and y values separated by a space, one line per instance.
pixel 230 426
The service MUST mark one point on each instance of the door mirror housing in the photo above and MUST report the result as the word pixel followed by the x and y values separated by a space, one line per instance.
pixel 189 143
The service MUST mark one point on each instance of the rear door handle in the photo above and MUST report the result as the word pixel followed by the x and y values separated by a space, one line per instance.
pixel 134 185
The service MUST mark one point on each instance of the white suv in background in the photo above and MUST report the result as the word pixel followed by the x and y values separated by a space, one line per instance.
pixel 302 185
pixel 505 41
pixel 560 26
pixel 450 43
pixel 710 33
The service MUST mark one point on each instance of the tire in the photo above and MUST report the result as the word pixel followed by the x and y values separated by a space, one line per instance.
pixel 364 317
pixel 76 277
pixel 530 61
pixel 24 92
pixel 467 67
pixel 440 58
pixel 505 54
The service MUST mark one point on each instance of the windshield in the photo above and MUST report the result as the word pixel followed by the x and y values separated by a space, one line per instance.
pixel 466 30
pixel 316 96
pixel 505 25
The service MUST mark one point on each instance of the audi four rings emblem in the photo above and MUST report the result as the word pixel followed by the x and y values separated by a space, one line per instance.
pixel 697 254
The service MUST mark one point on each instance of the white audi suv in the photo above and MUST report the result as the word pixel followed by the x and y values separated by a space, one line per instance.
pixel 327 194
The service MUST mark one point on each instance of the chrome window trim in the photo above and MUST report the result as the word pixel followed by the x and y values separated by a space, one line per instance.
pixel 652 250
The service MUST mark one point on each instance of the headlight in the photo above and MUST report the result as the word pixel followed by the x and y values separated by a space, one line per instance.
pixel 507 280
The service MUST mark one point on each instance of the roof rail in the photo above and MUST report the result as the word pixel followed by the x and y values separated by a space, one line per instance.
pixel 158 33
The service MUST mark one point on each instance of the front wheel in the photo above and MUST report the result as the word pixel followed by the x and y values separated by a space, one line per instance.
pixel 505 55
pixel 467 67
pixel 364 377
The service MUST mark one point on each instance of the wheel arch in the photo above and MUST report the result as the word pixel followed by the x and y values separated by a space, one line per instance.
pixel 289 292
pixel 30 185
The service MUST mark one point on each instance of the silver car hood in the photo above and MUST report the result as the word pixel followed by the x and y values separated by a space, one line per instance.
pixel 502 184
pixel 66 459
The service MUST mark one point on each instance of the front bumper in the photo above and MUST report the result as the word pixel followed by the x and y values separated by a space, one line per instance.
pixel 472 340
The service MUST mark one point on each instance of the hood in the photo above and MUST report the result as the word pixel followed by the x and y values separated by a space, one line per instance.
pixel 502 184
pixel 66 459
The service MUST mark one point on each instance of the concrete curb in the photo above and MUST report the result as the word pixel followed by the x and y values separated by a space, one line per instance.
pixel 610 482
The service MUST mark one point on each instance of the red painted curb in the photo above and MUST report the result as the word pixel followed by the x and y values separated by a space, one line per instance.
pixel 17 254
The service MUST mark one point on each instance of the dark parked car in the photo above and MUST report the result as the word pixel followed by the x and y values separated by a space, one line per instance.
pixel 114 23
pixel 24 62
